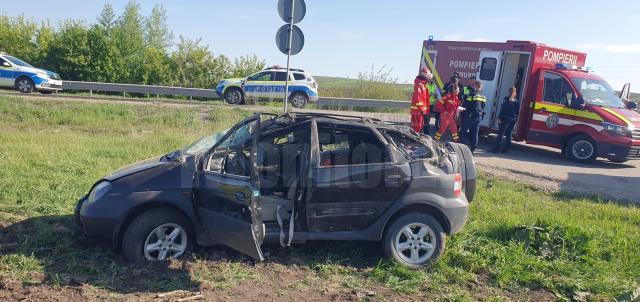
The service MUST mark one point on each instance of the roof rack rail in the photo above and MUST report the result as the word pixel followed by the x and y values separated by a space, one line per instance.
pixel 337 116
pixel 280 67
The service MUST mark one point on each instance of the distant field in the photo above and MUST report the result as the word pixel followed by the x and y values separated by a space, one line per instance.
pixel 359 89
pixel 519 244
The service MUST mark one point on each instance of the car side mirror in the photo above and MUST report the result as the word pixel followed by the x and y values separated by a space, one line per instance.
pixel 578 103
pixel 6 64
pixel 632 105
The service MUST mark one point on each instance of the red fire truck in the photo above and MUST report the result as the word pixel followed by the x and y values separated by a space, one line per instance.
pixel 563 104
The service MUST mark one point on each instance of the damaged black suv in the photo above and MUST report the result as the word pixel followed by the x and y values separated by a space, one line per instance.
pixel 288 178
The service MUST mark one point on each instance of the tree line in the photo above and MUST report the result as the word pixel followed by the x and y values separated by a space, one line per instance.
pixel 129 48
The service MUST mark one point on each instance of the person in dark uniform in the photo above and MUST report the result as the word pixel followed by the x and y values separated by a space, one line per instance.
pixel 455 81
pixel 472 115
pixel 509 111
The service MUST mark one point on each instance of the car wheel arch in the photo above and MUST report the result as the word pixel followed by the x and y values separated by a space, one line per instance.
pixel 15 83
pixel 419 207
pixel 144 207
pixel 577 132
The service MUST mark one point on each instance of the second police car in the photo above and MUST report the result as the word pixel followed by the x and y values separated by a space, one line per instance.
pixel 18 74
pixel 269 84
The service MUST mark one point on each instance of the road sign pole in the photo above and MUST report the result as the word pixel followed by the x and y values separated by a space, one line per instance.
pixel 286 85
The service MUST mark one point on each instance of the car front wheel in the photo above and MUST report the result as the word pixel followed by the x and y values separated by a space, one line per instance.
pixel 581 149
pixel 298 99
pixel 414 240
pixel 233 96
pixel 157 235
pixel 25 85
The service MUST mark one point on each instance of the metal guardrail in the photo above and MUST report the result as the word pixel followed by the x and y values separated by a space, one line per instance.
pixel 210 93
pixel 132 88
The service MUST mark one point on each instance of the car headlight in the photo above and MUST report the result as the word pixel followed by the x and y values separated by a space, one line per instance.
pixel 98 191
pixel 616 129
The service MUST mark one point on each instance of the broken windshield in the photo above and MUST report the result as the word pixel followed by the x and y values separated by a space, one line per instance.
pixel 205 143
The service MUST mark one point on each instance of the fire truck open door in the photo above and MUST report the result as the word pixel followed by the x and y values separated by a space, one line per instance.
pixel 490 71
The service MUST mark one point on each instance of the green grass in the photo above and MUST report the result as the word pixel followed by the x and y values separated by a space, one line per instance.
pixel 518 239
pixel 362 89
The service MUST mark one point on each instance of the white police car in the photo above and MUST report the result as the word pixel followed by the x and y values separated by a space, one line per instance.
pixel 269 84
pixel 18 74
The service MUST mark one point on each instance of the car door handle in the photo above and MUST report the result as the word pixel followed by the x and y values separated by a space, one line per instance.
pixel 240 196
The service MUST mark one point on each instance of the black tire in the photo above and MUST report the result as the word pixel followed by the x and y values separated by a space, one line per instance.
pixel 234 96
pixel 298 99
pixel 618 160
pixel 394 229
pixel 76 214
pixel 25 85
pixel 467 170
pixel 141 227
pixel 46 91
pixel 581 149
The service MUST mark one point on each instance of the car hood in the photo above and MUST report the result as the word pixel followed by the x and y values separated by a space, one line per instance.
pixel 51 74
pixel 619 116
pixel 231 81
pixel 136 167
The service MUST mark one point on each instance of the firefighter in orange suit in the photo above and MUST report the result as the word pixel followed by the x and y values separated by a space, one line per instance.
pixel 420 100
pixel 448 107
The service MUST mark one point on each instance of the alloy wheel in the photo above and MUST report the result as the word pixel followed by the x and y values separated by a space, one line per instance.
pixel 167 241
pixel 415 243
pixel 24 86
pixel 298 100
pixel 234 97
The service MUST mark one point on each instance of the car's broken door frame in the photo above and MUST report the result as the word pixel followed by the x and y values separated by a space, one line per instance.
pixel 230 206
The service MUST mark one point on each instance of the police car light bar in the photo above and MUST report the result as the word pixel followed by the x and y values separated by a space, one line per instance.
pixel 573 67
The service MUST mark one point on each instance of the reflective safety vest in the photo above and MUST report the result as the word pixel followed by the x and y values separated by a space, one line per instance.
pixel 434 93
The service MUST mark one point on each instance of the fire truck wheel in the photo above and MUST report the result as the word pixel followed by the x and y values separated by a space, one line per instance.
pixel 582 149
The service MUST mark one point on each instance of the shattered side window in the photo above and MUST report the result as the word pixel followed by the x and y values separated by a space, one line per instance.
pixel 350 147
pixel 243 136
pixel 411 146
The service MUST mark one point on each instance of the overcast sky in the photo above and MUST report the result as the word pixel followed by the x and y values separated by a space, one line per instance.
pixel 344 37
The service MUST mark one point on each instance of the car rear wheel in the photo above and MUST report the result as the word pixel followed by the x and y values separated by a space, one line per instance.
pixel 233 96
pixel 414 240
pixel 157 235
pixel 25 85
pixel 467 170
pixel 298 99
pixel 581 149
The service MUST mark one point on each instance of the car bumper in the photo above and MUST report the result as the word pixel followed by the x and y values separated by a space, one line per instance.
pixel 91 221
pixel 49 85
pixel 616 151
pixel 457 214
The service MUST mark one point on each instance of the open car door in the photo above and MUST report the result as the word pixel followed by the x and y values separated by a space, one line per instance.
pixel 227 190
pixel 626 90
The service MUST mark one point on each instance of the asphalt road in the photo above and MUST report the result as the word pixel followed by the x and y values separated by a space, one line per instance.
pixel 539 166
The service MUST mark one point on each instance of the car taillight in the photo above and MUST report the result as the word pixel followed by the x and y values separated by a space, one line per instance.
pixel 457 185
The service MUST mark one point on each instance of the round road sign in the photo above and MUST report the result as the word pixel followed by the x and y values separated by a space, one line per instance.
pixel 282 39
pixel 284 9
